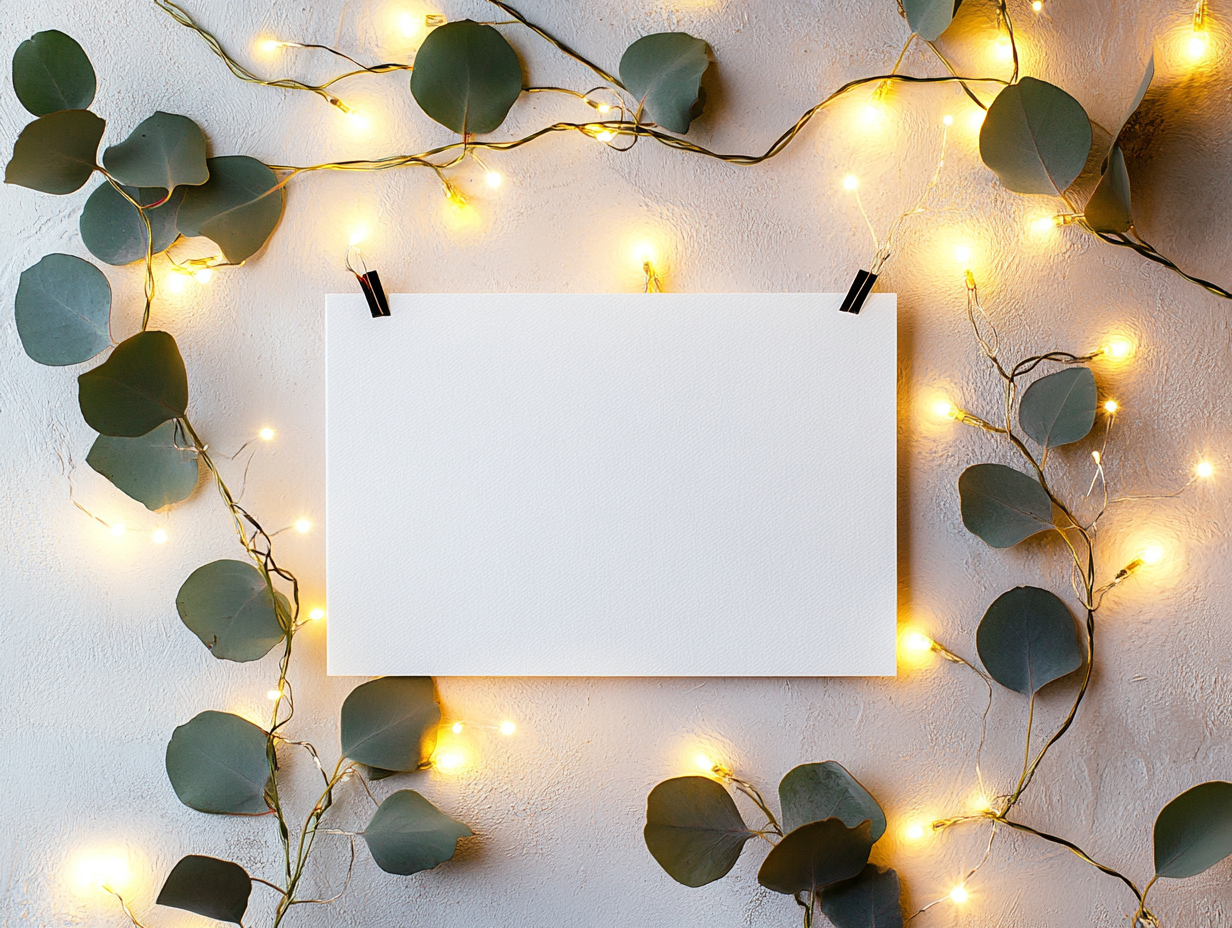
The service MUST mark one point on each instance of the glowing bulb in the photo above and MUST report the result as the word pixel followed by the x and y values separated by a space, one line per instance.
pixel 104 872
pixel 271 45
pixel 118 529
pixel 944 409
pixel 1097 457
pixel 851 182
pixel 1111 407
pixel 959 894
pixel 1152 554
pixel 643 252
pixel 871 115
pixel 508 728
pixel 303 526
pixel 358 234
pixel 916 642
pixel 981 803
pixel 456 728
pixel 273 695
pixel 962 254
pixel 704 762
pixel 1204 469
pixel 493 179
pixel 915 832
pixel 175 282
pixel 1004 48
pixel 316 615
pixel 409 25
pixel 159 537
pixel 360 121
pixel 267 434
pixel 603 107
pixel 976 120
pixel 605 136
pixel 203 275
pixel 1043 225
pixel 947 120
pixel 450 760
pixel 1197 45
pixel 1038 5
pixel 1118 349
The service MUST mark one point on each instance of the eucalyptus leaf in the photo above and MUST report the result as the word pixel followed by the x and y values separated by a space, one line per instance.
pixel 138 388
pixel 63 310
pixel 1003 506
pixel 1027 639
pixel 217 763
pixel 408 834
pixel 466 77
pixel 155 469
pixel 1060 408
pixel 56 153
pixel 1194 831
pixel 930 18
pixel 871 900
pixel 112 229
pixel 166 150
pixel 1147 79
pixel 664 72
pixel 51 72
pixel 391 722
pixel 814 856
pixel 1036 137
pixel 815 792
pixel 230 607
pixel 1110 207
pixel 208 886
pixel 694 830
pixel 238 208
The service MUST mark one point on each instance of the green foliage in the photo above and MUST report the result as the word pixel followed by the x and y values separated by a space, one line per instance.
pixel 466 77
pixel 664 72
pixel 1194 831
pixel 694 830
pixel 165 151
pixel 814 792
pixel 238 208
pixel 138 388
pixel 390 723
pixel 1110 209
pixel 408 834
pixel 1060 408
pixel 1027 639
pixel 63 310
pixel 930 18
pixel 871 900
pixel 814 856
pixel 56 153
pixel 217 763
pixel 51 72
pixel 154 469
pixel 112 229
pixel 208 886
pixel 1003 506
pixel 1036 137
pixel 231 608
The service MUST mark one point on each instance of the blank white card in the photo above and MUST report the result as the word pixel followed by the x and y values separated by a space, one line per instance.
pixel 611 485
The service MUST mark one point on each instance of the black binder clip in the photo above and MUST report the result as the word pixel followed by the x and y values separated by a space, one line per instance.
pixel 858 294
pixel 369 283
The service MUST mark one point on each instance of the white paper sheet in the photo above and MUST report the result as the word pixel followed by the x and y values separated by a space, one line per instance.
pixel 611 485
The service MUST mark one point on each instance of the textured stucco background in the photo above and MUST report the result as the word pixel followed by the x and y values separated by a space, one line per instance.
pixel 97 669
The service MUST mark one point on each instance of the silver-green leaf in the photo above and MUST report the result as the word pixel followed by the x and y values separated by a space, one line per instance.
pixel 466 77
pixel 111 227
pixel 664 73
pixel 1060 408
pixel 51 72
pixel 155 469
pixel 208 886
pixel 238 208
pixel 1036 137
pixel 1003 506
pixel 141 385
pixel 390 723
pixel 56 153
pixel 694 830
pixel 63 310
pixel 230 607
pixel 871 900
pixel 1194 831
pixel 1027 639
pixel 815 792
pixel 217 763
pixel 166 150
pixel 1110 208
pixel 408 834
pixel 814 856
pixel 930 18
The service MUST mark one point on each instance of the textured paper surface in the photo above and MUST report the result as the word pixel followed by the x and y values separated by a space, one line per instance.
pixel 623 485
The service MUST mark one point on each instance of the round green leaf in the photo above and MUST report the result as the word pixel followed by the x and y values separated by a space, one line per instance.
pixel 816 855
pixel 1060 408
pixel 112 229
pixel 155 469
pixel 1003 506
pixel 815 792
pixel 466 77
pixel 390 723
pixel 217 763
pixel 1109 209
pixel 208 886
pixel 694 830
pixel 56 153
pixel 1194 831
pixel 138 388
pixel 1147 79
pixel 1027 639
pixel 871 900
pixel 1036 137
pixel 51 72
pixel 237 208
pixel 230 607
pixel 165 151
pixel 664 72
pixel 930 18
pixel 63 310
pixel 409 835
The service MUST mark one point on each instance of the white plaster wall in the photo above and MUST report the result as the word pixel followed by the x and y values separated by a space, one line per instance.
pixel 97 669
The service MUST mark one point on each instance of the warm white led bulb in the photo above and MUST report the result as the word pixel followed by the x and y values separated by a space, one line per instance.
pixel 947 120
pixel 118 529
pixel 962 254
pixel 959 894
pixel 303 526
pixel 494 179
pixel 1152 554
pixel 851 182
pixel 267 434
pixel 316 615
pixel 508 728
pixel 456 728
pixel 1204 469
pixel 159 536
